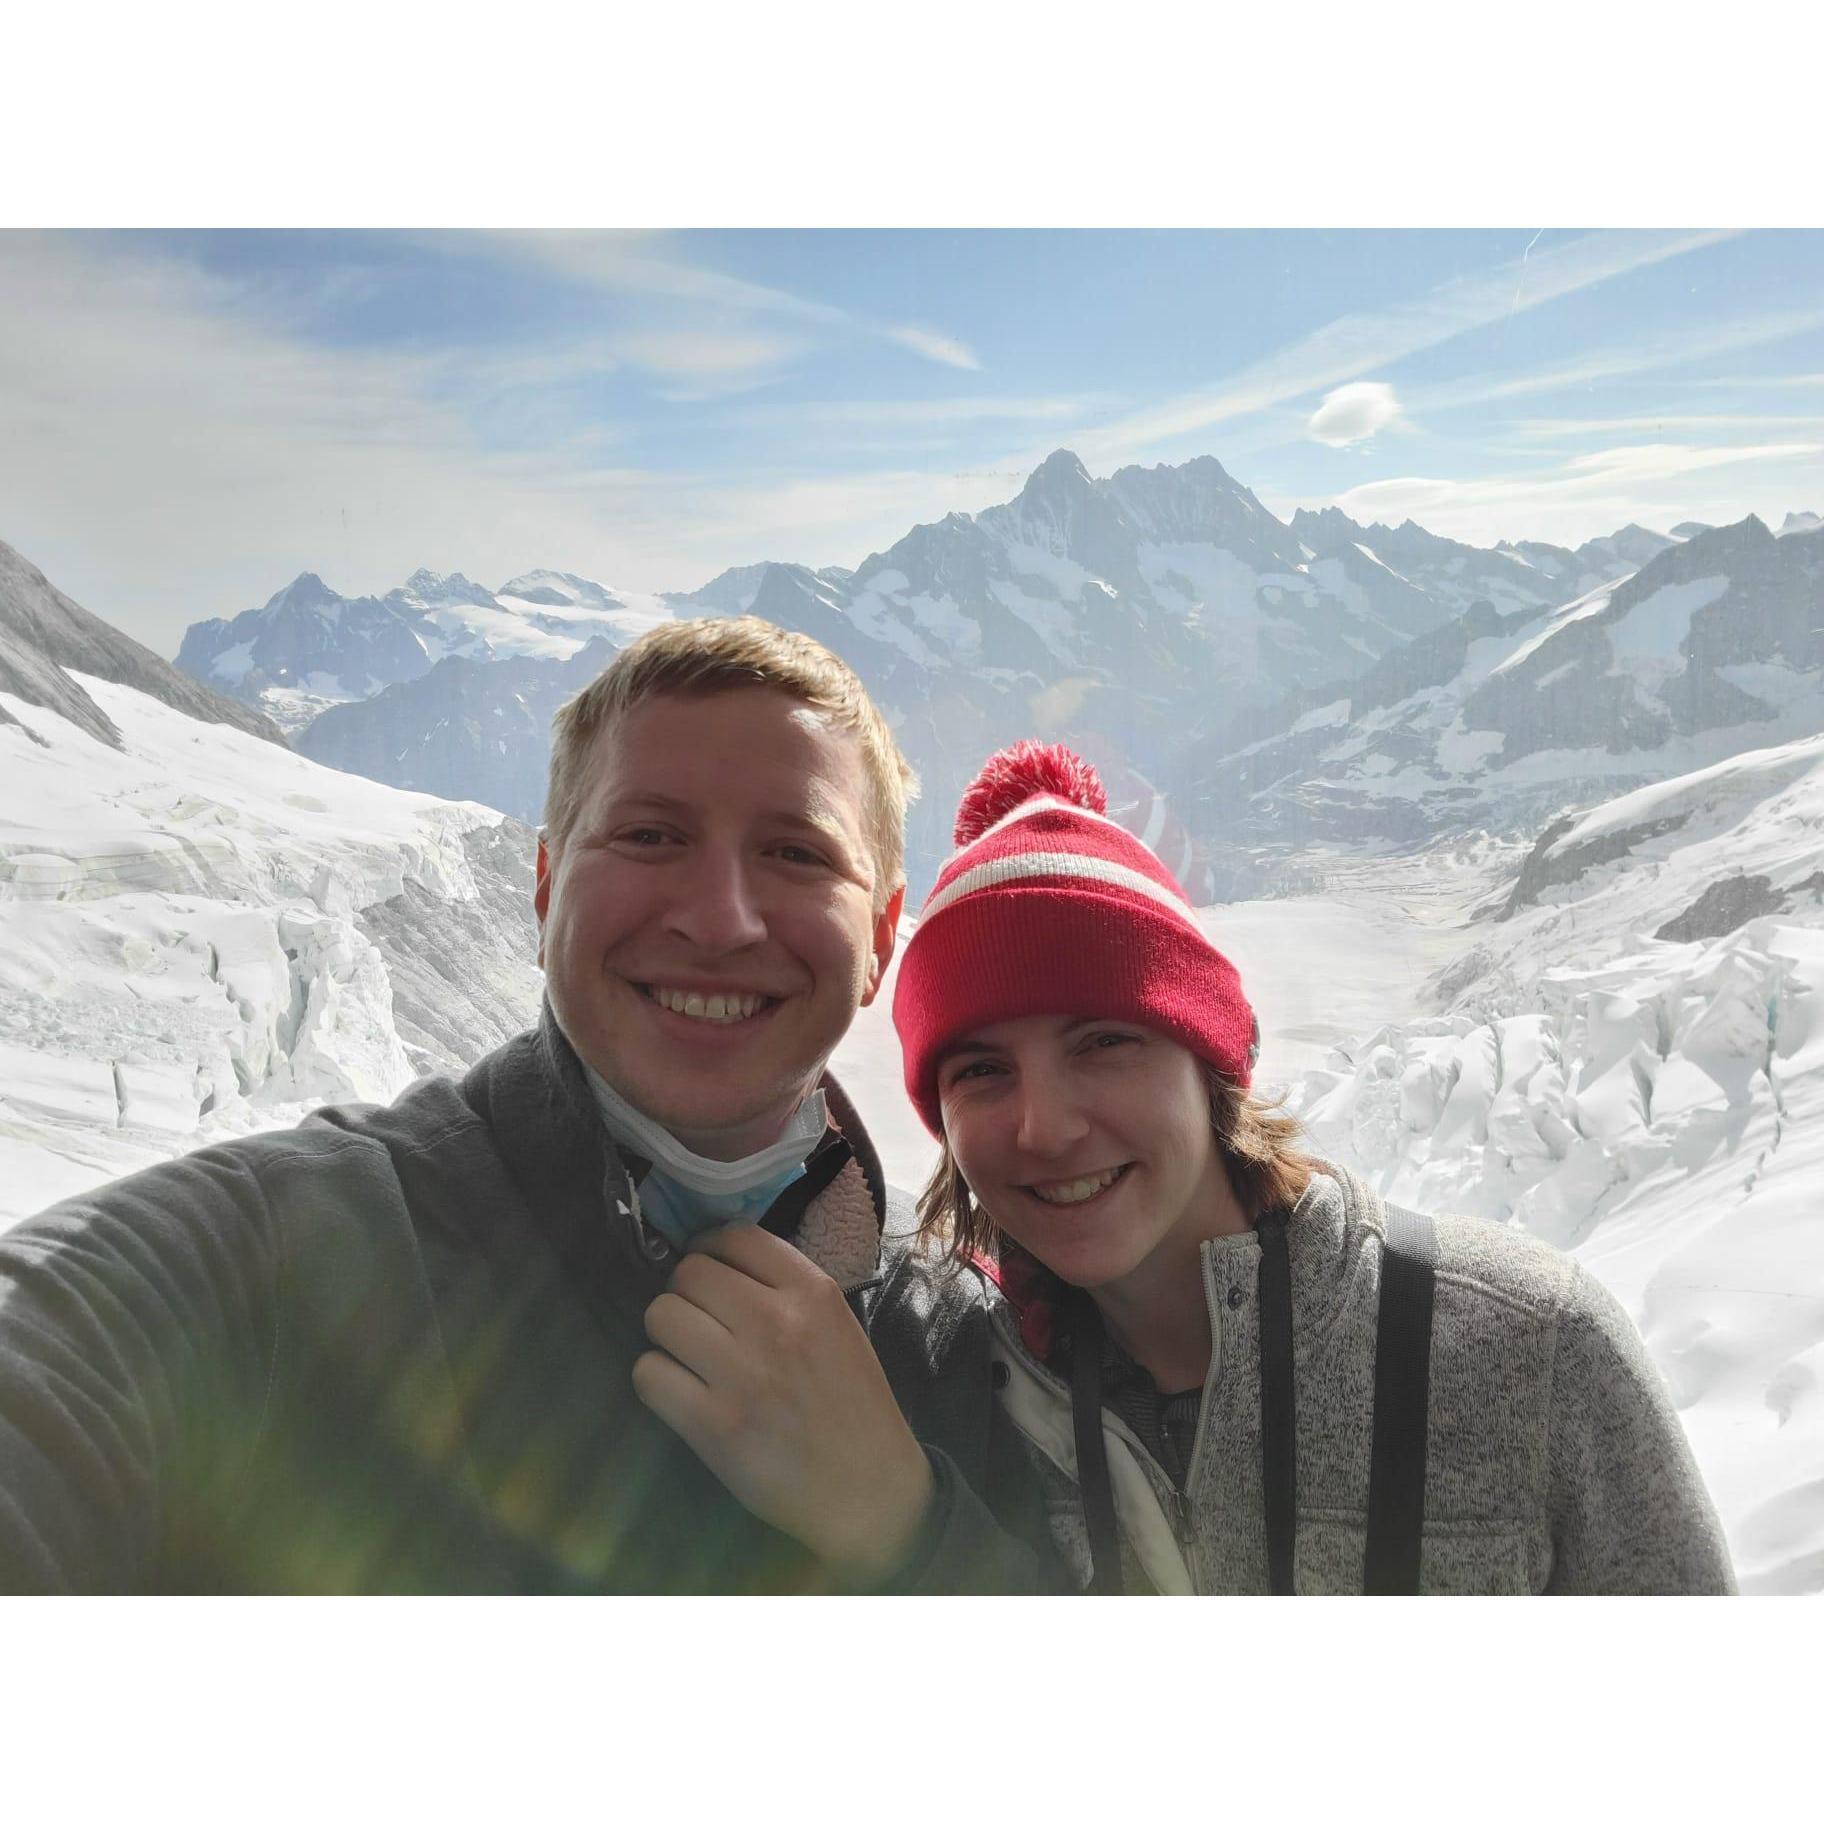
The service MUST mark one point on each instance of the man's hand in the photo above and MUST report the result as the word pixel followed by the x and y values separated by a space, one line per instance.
pixel 763 1371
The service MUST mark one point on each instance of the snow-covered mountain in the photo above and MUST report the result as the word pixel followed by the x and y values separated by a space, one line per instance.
pixel 1629 1061
pixel 203 933
pixel 309 648
pixel 1130 613
pixel 1509 578
pixel 1712 647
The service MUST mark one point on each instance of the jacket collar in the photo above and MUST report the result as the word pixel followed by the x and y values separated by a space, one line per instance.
pixel 535 1097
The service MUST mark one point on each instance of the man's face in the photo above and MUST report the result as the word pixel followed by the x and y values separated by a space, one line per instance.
pixel 707 932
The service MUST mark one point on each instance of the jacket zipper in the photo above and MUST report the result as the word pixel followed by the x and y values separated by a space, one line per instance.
pixel 1186 1528
pixel 1173 1503
pixel 1182 1509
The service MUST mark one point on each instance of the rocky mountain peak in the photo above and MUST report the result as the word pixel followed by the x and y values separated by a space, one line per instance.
pixel 306 590
pixel 1060 481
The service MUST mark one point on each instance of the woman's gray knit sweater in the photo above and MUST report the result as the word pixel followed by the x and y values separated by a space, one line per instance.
pixel 1555 1461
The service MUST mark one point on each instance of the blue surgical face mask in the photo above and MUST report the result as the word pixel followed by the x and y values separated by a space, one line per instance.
pixel 681 1214
pixel 685 1195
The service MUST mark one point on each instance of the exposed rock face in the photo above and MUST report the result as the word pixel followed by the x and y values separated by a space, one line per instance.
pixel 1722 907
pixel 44 632
pixel 1555 863
pixel 1727 905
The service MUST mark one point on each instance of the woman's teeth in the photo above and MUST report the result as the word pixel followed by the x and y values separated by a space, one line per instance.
pixel 723 1008
pixel 1076 1190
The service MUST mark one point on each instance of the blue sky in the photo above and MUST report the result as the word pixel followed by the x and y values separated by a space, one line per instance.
pixel 191 418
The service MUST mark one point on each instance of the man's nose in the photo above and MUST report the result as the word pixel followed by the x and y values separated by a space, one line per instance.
pixel 717 907
pixel 1051 1121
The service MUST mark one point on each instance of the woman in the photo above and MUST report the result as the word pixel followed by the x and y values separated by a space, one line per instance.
pixel 1229 1381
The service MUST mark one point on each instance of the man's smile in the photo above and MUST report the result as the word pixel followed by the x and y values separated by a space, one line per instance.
pixel 717 1006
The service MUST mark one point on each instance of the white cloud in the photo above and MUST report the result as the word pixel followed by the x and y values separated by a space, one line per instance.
pixel 1353 412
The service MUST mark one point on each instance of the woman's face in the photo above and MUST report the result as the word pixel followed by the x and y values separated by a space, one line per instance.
pixel 1086 1141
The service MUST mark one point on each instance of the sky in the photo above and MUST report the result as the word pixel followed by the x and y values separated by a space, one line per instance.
pixel 189 419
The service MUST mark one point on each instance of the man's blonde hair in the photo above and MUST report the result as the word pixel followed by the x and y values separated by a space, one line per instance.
pixel 698 658
pixel 1257 1139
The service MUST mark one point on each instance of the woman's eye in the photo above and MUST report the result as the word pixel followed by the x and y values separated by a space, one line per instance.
pixel 1107 1041
pixel 799 856
pixel 982 1067
pixel 642 838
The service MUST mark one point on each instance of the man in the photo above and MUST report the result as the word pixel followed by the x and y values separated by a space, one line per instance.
pixel 592 1318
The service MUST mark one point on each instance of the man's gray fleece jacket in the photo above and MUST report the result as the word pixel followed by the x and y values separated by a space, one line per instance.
pixel 1556 1463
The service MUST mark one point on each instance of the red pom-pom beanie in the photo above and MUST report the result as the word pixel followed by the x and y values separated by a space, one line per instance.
pixel 1049 907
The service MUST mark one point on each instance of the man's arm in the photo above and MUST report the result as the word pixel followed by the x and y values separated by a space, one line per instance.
pixel 1630 1513
pixel 115 1311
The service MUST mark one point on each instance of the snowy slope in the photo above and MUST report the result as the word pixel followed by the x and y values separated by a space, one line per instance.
pixel 202 933
pixel 1631 1065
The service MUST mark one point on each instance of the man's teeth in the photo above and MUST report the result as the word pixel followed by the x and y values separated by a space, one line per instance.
pixel 1076 1190
pixel 726 1008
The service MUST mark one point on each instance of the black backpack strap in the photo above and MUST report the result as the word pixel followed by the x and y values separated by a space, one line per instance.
pixel 1093 1481
pixel 1402 1389
pixel 1278 1409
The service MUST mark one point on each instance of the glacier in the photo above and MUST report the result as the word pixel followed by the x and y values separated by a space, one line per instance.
pixel 203 934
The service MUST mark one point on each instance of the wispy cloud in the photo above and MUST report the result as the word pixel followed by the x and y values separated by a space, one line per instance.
pixel 627 264
pixel 1563 429
pixel 1354 412
pixel 928 414
pixel 926 342
pixel 1773 382
pixel 1589 494
pixel 703 353
pixel 1357 344
pixel 1640 356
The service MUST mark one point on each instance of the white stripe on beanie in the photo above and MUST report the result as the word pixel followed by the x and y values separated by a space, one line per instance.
pixel 1049 801
pixel 1034 863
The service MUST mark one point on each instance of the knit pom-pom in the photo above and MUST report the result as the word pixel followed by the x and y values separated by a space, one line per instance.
pixel 1028 769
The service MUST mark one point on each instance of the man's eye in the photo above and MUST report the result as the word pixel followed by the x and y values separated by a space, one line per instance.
pixel 800 856
pixel 642 838
pixel 982 1067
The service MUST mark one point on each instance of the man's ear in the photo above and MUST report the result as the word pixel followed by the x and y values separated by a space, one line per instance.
pixel 541 895
pixel 886 934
